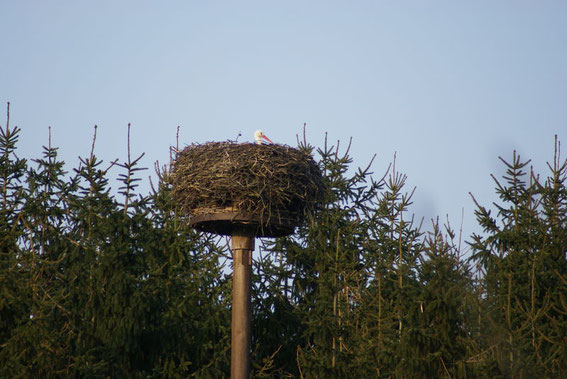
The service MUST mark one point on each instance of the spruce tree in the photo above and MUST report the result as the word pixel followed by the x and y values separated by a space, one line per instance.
pixel 15 296
pixel 99 280
pixel 353 261
pixel 444 309
pixel 95 284
pixel 523 257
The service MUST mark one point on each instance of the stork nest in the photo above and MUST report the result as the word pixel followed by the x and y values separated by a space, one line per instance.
pixel 269 188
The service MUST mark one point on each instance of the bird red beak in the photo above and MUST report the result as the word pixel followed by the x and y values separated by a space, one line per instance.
pixel 266 138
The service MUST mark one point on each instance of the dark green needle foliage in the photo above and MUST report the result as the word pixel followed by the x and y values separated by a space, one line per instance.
pixel 442 310
pixel 98 285
pixel 335 294
pixel 14 293
pixel 523 257
pixel 100 282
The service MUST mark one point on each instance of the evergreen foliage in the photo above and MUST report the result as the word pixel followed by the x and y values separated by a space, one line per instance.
pixel 103 282
pixel 96 286
pixel 523 255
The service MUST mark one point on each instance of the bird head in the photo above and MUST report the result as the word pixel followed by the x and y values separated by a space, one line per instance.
pixel 259 135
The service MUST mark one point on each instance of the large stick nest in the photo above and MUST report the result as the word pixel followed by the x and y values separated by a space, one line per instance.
pixel 270 188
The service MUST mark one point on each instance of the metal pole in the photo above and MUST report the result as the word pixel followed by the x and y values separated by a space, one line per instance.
pixel 242 248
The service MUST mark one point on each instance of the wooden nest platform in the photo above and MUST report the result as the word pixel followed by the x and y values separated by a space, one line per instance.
pixel 264 190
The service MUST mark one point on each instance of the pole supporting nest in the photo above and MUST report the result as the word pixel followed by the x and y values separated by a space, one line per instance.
pixel 242 248
pixel 245 191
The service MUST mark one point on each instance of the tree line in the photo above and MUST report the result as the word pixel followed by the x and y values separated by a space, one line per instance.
pixel 103 282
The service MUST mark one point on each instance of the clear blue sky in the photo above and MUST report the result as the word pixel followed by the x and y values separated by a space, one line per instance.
pixel 448 85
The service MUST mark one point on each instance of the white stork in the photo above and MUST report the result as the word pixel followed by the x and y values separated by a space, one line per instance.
pixel 258 135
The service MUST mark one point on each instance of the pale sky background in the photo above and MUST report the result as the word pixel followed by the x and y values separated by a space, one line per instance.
pixel 448 85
